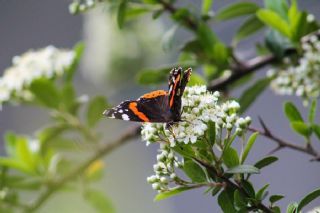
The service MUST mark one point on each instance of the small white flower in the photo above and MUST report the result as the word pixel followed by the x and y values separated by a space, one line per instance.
pixel 302 79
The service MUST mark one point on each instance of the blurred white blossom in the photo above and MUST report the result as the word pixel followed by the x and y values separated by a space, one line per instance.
pixel 47 62
pixel 199 108
pixel 302 79
pixel 81 6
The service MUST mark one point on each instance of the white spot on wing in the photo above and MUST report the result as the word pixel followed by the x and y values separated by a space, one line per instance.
pixel 125 117
pixel 121 111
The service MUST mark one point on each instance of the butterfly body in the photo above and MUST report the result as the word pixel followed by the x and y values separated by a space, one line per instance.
pixel 158 106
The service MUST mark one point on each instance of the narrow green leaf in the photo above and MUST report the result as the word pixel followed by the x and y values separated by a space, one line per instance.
pixel 239 199
pixel 15 164
pixel 220 53
pixel 68 97
pixel 95 109
pixel 249 27
pixel 226 202
pixel 316 130
pixel 307 199
pixel 275 198
pixel 292 112
pixel 78 50
pixel 99 201
pixel 194 171
pixel 250 94
pixel 206 6
pixel 265 162
pixel 248 187
pixel 45 92
pixel 50 132
pixel 278 6
pixel 262 192
pixel 243 169
pixel 211 132
pixel 171 193
pixel 10 143
pixel 207 38
pixel 312 111
pixel 277 43
pixel 301 128
pixel 275 21
pixel 248 146
pixel 237 9
pixel 230 157
pixel 276 209
pixel 292 208
pixel 121 15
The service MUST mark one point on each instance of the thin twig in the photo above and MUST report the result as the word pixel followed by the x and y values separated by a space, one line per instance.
pixel 308 149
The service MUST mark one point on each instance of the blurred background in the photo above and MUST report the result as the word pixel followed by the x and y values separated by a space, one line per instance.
pixel 110 62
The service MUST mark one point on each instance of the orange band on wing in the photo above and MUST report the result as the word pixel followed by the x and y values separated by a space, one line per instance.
pixel 174 90
pixel 154 94
pixel 134 109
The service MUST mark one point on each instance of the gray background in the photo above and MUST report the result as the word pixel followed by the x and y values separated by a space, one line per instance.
pixel 28 24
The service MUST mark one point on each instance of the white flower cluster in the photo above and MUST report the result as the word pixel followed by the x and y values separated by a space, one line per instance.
pixel 164 169
pixel 303 79
pixel 79 6
pixel 47 62
pixel 199 108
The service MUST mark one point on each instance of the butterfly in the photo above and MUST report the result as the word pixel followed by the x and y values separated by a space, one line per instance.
pixel 158 106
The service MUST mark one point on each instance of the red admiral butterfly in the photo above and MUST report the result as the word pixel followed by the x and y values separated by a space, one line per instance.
pixel 158 106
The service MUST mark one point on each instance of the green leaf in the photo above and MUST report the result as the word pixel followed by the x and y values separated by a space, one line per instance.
pixel 248 146
pixel 239 199
pixel 247 186
pixel 275 21
pixel 261 194
pixel 220 53
pixel 99 201
pixel 278 6
pixel 207 38
pixel 316 130
pixel 15 164
pixel 265 162
pixel 196 79
pixel 312 111
pixel 292 112
pixel 276 209
pixel 226 202
pixel 171 193
pixel 275 198
pixel 168 38
pixel 249 27
pixel 230 157
pixel 250 94
pixel 10 143
pixel 194 171
pixel 277 43
pixel 121 15
pixel 206 6
pixel 50 132
pixel 45 92
pixel 243 169
pixel 211 132
pixel 95 109
pixel 236 10
pixel 68 97
pixel 78 50
pixel 134 10
pixel 308 198
pixel 184 150
pixel 301 128
pixel 292 208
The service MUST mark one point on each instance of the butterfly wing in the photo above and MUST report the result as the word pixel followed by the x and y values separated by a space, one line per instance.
pixel 178 80
pixel 151 107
